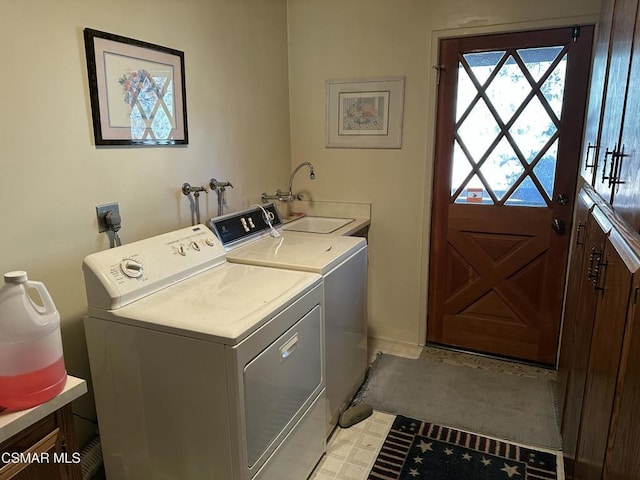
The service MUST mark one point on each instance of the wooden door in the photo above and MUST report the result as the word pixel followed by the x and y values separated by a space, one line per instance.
pixel 507 154
pixel 623 461
pixel 624 20
pixel 612 283
pixel 597 90
pixel 579 243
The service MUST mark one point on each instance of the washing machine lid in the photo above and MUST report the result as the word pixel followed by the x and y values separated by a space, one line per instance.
pixel 307 252
pixel 223 304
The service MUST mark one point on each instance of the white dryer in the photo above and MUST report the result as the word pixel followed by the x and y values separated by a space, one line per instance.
pixel 204 369
pixel 253 239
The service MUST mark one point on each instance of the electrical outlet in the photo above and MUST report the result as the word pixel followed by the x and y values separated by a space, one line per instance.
pixel 101 212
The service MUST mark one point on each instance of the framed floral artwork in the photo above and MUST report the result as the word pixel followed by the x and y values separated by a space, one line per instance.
pixel 364 113
pixel 137 91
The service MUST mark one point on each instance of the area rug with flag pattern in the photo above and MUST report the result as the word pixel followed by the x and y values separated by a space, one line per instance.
pixel 415 450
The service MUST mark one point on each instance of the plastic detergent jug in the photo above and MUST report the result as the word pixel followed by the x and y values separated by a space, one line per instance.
pixel 31 361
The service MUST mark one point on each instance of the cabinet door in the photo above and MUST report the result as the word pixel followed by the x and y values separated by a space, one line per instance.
pixel 582 328
pixel 626 182
pixel 572 295
pixel 624 19
pixel 623 461
pixel 612 282
pixel 598 86
pixel 53 435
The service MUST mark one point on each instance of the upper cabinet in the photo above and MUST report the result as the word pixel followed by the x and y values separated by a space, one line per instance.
pixel 626 182
pixel 612 126
pixel 598 88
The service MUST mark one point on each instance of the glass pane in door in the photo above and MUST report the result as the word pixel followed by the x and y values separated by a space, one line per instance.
pixel 507 119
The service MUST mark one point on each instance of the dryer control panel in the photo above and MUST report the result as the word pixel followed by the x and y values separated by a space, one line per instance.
pixel 121 275
pixel 237 227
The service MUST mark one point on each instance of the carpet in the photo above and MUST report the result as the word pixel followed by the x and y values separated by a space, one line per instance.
pixel 500 405
pixel 415 450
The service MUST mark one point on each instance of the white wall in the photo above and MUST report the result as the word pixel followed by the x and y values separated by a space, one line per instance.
pixel 52 176
pixel 341 39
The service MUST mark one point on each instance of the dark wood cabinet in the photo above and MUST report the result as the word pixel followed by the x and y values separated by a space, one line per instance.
pixel 51 442
pixel 623 459
pixel 598 86
pixel 596 365
pixel 568 353
pixel 599 362
pixel 626 181
pixel 578 334
pixel 611 273
pixel 622 32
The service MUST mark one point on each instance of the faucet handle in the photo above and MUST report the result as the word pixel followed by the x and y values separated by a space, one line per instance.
pixel 215 184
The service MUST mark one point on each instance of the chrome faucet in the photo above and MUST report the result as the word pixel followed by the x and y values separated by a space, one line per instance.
pixel 220 188
pixel 289 196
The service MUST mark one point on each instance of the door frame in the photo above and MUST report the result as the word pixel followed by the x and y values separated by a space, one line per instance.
pixel 432 109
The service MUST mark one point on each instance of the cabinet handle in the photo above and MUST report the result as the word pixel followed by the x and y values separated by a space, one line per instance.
pixel 594 164
pixel 579 228
pixel 615 180
pixel 597 274
pixel 635 294
pixel 592 256
pixel 604 165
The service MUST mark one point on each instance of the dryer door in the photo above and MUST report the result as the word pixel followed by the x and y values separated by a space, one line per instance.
pixel 280 380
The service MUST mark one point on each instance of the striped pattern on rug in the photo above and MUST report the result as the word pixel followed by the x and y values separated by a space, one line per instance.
pixel 415 449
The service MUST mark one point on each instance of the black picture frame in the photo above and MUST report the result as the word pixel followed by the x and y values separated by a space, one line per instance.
pixel 137 91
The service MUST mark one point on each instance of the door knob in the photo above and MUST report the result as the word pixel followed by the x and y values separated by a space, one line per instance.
pixel 558 226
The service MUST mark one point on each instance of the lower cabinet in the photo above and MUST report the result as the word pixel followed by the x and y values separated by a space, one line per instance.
pixel 598 364
pixel 623 457
pixel 46 446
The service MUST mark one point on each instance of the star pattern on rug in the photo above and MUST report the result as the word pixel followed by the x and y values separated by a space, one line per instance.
pixel 433 448
pixel 510 470
pixel 432 451
pixel 425 447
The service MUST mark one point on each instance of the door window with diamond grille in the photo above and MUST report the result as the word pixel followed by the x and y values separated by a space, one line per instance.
pixel 510 112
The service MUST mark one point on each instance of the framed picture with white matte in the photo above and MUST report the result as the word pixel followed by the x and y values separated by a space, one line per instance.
pixel 364 113
pixel 137 91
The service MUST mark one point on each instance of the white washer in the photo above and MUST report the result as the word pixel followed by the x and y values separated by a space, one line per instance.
pixel 204 369
pixel 342 262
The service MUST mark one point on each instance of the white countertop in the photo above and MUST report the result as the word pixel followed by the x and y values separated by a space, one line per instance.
pixel 14 422
pixel 360 212
pixel 352 227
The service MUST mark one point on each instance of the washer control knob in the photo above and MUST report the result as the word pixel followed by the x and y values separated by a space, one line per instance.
pixel 182 251
pixel 131 268
pixel 210 241
pixel 195 246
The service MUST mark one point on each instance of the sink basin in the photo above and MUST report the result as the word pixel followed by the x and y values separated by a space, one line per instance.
pixel 317 224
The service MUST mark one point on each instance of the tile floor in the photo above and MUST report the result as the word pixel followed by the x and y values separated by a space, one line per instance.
pixel 351 452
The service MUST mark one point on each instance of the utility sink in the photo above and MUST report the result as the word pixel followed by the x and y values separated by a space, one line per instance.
pixel 317 224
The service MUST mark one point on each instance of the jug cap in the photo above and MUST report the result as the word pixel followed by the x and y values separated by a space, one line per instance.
pixel 17 276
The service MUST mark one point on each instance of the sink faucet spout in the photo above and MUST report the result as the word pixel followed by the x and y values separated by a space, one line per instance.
pixel 289 196
pixel 312 175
